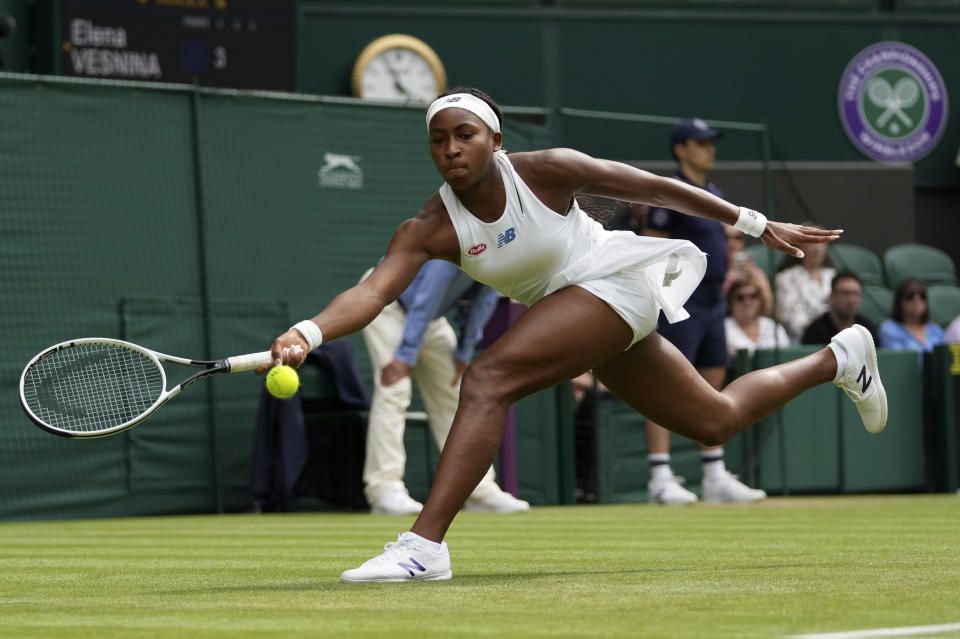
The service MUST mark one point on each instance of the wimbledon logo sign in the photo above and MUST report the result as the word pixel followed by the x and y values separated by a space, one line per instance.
pixel 893 103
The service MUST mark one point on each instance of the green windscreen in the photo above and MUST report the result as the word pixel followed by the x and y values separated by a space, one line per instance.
pixel 199 223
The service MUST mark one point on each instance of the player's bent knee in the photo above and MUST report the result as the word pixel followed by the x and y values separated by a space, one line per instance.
pixel 480 385
pixel 716 432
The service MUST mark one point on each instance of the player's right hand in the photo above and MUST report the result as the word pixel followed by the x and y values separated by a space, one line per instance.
pixel 290 349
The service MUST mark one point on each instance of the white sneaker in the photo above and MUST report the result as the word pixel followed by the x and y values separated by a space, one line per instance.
pixel 396 503
pixel 727 487
pixel 861 379
pixel 403 560
pixel 669 491
pixel 498 502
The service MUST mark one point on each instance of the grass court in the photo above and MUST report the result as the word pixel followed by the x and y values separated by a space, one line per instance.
pixel 787 566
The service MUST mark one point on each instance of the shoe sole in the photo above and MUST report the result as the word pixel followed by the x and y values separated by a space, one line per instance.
pixel 749 500
pixel 872 364
pixel 660 502
pixel 376 511
pixel 395 580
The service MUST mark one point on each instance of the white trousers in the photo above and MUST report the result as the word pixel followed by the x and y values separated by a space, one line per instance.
pixel 434 371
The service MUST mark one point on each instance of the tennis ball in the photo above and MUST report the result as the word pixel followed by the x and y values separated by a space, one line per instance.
pixel 282 382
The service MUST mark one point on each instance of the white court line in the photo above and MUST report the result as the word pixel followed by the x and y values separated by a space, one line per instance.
pixel 905 631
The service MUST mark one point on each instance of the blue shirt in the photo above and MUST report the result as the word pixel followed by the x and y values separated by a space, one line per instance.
pixel 441 289
pixel 893 334
pixel 707 235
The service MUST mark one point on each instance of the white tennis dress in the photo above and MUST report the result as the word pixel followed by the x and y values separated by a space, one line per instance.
pixel 532 251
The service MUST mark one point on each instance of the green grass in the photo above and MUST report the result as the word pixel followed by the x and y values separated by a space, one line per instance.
pixel 797 565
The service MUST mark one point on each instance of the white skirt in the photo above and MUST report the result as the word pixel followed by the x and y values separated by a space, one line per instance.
pixel 637 276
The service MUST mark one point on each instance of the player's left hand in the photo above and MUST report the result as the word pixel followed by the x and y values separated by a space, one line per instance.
pixel 782 236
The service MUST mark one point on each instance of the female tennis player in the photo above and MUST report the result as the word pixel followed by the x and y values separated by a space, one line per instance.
pixel 513 222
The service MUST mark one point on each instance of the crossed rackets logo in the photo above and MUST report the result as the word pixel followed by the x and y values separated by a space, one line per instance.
pixel 895 102
pixel 892 102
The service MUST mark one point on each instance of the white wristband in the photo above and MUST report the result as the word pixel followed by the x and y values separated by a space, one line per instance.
pixel 751 222
pixel 311 333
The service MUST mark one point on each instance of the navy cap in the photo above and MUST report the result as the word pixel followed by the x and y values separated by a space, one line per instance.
pixel 692 129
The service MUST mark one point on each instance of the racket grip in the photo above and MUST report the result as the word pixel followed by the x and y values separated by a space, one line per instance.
pixel 248 362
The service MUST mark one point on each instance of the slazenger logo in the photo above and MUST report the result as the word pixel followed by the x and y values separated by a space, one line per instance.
pixel 893 103
pixel 477 250
pixel 340 172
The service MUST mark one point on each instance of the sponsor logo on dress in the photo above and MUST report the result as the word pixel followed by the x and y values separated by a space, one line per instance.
pixel 506 237
pixel 340 172
pixel 477 250
pixel 893 103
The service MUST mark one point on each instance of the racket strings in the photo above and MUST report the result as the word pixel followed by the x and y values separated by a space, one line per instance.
pixel 91 387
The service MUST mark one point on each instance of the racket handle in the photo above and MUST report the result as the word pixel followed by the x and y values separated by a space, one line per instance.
pixel 249 362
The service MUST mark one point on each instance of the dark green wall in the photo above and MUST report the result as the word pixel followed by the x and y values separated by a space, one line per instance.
pixel 745 64
pixel 125 208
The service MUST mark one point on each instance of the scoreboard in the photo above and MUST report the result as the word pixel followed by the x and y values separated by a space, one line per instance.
pixel 243 44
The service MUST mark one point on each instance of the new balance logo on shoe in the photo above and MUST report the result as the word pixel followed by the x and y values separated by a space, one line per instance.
pixel 416 566
pixel 864 379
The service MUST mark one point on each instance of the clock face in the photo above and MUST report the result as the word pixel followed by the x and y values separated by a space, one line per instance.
pixel 399 74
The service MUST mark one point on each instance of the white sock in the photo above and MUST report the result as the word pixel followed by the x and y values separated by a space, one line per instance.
pixel 841 354
pixel 660 465
pixel 713 465
pixel 426 543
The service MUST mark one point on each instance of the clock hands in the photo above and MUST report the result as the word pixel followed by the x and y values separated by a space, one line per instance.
pixel 395 74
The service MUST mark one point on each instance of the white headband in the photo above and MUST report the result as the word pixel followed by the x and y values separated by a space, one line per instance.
pixel 471 103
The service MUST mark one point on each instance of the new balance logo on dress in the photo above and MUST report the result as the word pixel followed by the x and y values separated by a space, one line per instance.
pixel 864 378
pixel 506 237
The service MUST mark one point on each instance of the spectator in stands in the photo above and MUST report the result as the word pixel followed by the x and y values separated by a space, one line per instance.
pixel 746 326
pixel 952 334
pixel 909 326
pixel 411 337
pixel 843 311
pixel 740 266
pixel 803 285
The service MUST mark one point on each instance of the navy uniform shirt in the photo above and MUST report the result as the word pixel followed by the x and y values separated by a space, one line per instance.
pixel 707 235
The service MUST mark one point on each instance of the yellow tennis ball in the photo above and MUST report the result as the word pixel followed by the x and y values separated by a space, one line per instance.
pixel 282 382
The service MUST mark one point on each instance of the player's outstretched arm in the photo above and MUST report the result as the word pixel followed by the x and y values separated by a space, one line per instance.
pixel 580 172
pixel 356 307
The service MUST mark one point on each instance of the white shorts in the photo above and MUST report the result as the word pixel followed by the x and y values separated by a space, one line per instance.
pixel 628 294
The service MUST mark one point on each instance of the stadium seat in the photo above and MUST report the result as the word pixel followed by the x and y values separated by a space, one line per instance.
pixel 766 258
pixel 926 263
pixel 860 260
pixel 877 303
pixel 944 303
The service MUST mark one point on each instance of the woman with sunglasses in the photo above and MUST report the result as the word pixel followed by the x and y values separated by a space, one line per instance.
pixel 746 325
pixel 909 326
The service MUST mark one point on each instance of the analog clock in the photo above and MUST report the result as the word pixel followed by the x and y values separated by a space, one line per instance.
pixel 399 67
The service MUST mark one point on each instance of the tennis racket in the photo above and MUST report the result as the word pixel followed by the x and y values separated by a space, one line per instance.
pixel 97 386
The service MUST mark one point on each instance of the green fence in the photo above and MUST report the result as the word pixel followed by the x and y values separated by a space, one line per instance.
pixel 200 223
pixel 816 444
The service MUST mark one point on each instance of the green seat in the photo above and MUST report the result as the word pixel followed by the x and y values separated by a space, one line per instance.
pixel 766 258
pixel 944 302
pixel 925 263
pixel 877 303
pixel 859 260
